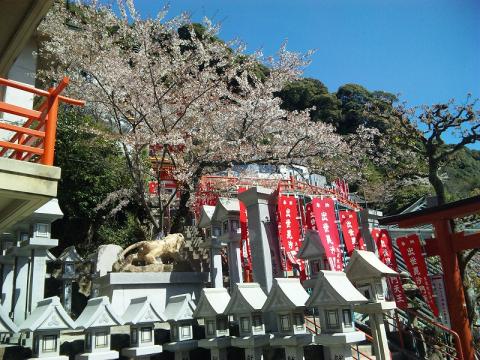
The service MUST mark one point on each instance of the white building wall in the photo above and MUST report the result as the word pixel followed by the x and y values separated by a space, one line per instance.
pixel 23 70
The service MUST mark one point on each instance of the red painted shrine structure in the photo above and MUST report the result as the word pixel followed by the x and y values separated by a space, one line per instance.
pixel 447 244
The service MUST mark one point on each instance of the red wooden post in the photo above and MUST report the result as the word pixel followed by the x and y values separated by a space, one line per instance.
pixel 50 129
pixel 453 286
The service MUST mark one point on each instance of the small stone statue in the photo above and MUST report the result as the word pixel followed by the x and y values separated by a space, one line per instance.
pixel 149 253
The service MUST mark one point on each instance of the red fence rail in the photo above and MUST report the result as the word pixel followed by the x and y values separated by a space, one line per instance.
pixel 35 139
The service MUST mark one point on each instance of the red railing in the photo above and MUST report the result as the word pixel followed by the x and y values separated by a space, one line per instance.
pixel 444 348
pixel 35 139
pixel 214 183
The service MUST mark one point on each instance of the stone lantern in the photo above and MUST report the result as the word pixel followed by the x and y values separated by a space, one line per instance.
pixel 334 297
pixel 368 274
pixel 26 278
pixel 178 312
pixel 46 322
pixel 246 307
pixel 96 320
pixel 68 258
pixel 312 250
pixel 227 213
pixel 211 307
pixel 141 316
pixel 287 300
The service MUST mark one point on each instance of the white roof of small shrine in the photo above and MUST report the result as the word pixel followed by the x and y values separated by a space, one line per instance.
pixel 179 307
pixel 312 247
pixel 206 216
pixel 98 313
pixel 141 311
pixel 247 297
pixel 333 288
pixel 366 265
pixel 6 324
pixel 49 212
pixel 224 207
pixel 70 254
pixel 286 294
pixel 49 315
pixel 213 302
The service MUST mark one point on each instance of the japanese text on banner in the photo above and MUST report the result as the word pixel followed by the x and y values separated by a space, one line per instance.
pixel 289 230
pixel 411 251
pixel 387 256
pixel 324 212
pixel 350 230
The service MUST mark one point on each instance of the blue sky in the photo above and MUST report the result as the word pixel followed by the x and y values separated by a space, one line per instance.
pixel 425 50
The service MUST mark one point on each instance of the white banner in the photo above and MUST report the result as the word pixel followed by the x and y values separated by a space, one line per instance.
pixel 440 296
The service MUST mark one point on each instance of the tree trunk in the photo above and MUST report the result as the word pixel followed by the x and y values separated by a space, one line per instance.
pixel 435 181
pixel 180 218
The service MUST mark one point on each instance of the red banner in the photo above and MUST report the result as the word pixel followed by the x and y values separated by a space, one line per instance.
pixel 350 230
pixel 411 251
pixel 387 256
pixel 289 229
pixel 310 217
pixel 245 254
pixel 324 212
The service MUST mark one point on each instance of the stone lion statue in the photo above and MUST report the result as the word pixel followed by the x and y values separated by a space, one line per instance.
pixel 166 250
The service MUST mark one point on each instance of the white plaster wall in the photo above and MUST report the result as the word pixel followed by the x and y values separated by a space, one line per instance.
pixel 23 70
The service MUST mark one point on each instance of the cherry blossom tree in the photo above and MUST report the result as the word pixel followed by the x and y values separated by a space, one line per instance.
pixel 170 83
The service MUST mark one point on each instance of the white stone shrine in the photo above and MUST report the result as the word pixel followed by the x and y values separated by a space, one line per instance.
pixel 96 320
pixel 211 307
pixel 141 316
pixel 287 301
pixel 368 274
pixel 334 297
pixel 45 324
pixel 246 307
pixel 179 314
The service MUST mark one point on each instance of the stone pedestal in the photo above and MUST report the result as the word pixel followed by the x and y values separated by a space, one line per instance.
pixel 265 255
pixel 338 346
pixel 7 263
pixel 293 344
pixel 253 345
pixel 105 355
pixel 181 348
pixel 217 346
pixel 234 261
pixel 122 287
pixel 141 353
pixel 375 313
pixel 29 275
pixel 214 246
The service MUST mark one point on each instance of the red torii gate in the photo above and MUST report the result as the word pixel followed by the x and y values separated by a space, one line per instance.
pixel 447 244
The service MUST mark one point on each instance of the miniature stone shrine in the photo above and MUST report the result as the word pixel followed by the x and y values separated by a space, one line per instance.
pixel 178 313
pixel 68 258
pixel 46 322
pixel 246 306
pixel 368 273
pixel 287 300
pixel 334 297
pixel 96 320
pixel 211 307
pixel 313 251
pixel 141 316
